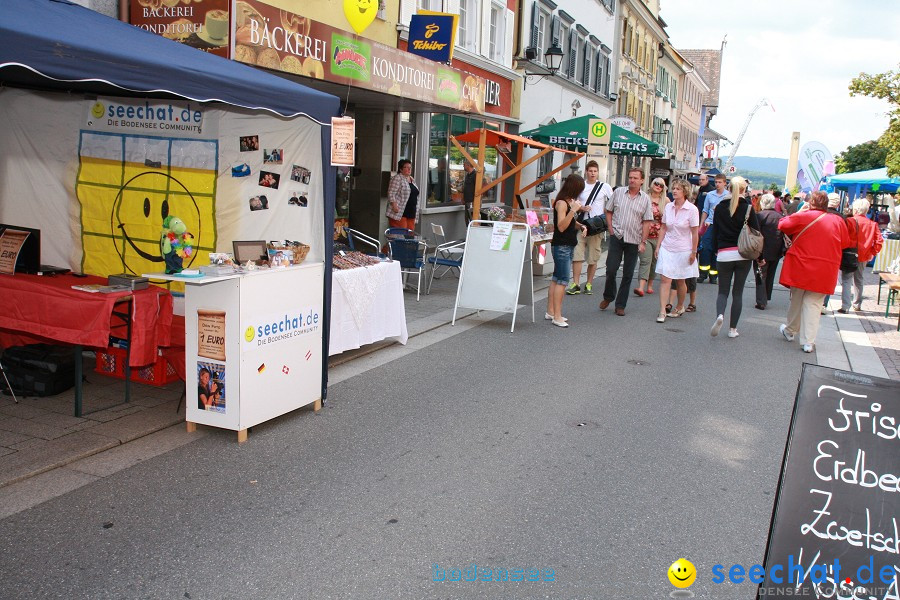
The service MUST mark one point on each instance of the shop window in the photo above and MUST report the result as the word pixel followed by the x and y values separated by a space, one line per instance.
pixel 445 163
pixel 433 5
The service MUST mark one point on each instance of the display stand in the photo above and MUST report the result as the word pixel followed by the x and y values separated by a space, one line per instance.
pixel 496 279
pixel 253 344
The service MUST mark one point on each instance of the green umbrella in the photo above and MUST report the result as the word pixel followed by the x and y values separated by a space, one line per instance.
pixel 573 135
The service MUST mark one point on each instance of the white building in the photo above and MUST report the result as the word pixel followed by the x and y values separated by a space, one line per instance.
pixel 586 33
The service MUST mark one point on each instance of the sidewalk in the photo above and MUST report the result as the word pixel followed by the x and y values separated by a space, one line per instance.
pixel 46 452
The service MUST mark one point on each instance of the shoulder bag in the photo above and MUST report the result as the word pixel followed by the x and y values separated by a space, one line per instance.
pixel 850 256
pixel 789 242
pixel 596 224
pixel 750 241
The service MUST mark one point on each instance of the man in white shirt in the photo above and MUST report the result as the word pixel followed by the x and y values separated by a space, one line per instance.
pixel 593 200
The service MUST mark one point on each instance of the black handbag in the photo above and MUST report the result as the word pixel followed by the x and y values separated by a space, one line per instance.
pixel 596 224
pixel 850 256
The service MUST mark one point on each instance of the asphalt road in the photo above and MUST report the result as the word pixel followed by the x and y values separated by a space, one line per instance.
pixel 603 453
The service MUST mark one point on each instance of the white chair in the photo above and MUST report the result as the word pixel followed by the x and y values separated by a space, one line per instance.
pixel 446 254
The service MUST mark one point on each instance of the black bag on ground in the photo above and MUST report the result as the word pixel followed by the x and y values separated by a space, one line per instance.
pixel 39 369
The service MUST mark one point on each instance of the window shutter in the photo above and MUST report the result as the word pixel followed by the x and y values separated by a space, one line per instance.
pixel 407 10
pixel 485 43
pixel 573 53
pixel 535 13
pixel 509 31
pixel 554 32
pixel 598 76
pixel 586 68
pixel 606 76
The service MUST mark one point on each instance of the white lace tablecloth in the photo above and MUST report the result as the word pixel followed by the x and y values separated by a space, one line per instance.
pixel 366 306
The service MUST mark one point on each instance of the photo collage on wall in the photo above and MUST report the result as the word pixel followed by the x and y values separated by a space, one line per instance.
pixel 280 179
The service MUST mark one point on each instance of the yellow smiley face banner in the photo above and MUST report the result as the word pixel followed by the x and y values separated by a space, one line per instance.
pixel 140 162
pixel 360 13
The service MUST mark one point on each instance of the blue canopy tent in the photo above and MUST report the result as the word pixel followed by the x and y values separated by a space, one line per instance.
pixel 56 45
pixel 857 184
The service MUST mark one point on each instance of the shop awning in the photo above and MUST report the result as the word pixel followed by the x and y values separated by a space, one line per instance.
pixel 54 44
pixel 875 179
pixel 572 134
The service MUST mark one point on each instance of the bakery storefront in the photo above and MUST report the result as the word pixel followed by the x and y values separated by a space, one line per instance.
pixel 405 106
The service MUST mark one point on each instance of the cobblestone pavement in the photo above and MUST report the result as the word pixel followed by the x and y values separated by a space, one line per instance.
pixel 882 330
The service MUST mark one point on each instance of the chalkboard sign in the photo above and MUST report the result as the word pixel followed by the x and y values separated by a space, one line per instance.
pixel 835 529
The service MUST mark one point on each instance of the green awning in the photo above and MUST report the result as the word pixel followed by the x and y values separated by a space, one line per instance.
pixel 573 133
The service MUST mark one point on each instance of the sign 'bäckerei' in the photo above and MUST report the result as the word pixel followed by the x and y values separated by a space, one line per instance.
pixel 836 525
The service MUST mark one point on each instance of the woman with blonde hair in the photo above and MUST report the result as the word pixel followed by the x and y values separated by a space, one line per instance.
pixel 658 200
pixel 677 250
pixel 728 220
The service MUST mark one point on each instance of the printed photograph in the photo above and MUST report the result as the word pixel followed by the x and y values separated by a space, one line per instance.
pixel 211 387
pixel 273 156
pixel 259 203
pixel 249 143
pixel 298 199
pixel 300 174
pixel 269 179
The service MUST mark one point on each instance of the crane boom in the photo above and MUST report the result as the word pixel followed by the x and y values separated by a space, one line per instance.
pixel 759 105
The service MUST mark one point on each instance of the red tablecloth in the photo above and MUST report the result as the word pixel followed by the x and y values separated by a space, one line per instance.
pixel 46 309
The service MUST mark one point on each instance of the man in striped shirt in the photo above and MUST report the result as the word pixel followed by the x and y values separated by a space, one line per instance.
pixel 629 213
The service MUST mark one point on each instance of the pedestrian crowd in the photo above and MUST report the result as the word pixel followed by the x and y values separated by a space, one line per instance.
pixel 718 232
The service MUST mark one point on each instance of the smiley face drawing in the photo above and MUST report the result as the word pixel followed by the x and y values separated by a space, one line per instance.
pixel 682 573
pixel 249 334
pixel 98 109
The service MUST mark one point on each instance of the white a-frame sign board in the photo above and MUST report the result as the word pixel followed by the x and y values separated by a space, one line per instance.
pixel 496 269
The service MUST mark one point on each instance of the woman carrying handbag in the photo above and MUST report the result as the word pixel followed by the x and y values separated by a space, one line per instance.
pixel 810 266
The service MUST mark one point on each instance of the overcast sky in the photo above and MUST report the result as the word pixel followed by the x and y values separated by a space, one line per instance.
pixel 801 56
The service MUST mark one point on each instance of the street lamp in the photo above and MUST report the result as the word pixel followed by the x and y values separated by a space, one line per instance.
pixel 664 132
pixel 552 61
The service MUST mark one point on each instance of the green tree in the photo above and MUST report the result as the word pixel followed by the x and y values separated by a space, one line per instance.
pixel 885 86
pixel 861 157
pixel 774 187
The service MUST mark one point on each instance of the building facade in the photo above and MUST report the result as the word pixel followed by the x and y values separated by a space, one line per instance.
pixel 584 31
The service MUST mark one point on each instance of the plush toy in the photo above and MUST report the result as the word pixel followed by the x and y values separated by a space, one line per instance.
pixel 175 244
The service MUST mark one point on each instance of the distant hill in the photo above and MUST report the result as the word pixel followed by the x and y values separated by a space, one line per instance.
pixel 759 179
pixel 775 166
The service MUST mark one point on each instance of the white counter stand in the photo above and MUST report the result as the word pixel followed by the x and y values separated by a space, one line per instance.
pixel 273 321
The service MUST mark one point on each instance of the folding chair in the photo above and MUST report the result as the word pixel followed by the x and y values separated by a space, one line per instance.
pixel 411 256
pixel 392 233
pixel 446 254
pixel 8 384
pixel 369 244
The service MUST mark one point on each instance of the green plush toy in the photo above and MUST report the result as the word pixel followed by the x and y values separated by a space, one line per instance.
pixel 175 244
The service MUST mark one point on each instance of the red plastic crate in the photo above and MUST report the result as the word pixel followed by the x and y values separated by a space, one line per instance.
pixel 112 362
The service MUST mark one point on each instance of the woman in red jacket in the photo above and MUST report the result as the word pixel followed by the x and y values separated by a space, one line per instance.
pixel 869 241
pixel 811 265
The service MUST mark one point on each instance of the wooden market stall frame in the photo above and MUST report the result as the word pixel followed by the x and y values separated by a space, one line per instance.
pixel 497 139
